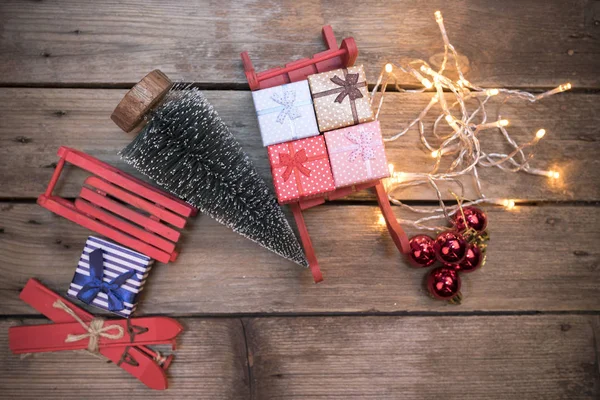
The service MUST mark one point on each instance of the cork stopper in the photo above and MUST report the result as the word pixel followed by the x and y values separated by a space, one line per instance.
pixel 141 99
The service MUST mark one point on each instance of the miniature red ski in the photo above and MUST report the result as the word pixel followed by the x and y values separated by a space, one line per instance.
pixel 51 337
pixel 140 361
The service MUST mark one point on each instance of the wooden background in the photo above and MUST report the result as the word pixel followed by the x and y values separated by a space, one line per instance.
pixel 256 325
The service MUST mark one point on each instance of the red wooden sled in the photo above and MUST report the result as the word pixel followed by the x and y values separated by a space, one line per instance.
pixel 103 206
pixel 332 58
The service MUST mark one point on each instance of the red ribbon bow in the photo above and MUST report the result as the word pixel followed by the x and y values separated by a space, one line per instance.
pixel 350 87
pixel 291 162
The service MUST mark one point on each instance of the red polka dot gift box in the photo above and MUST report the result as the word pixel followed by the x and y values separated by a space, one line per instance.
pixel 341 98
pixel 285 113
pixel 300 169
pixel 357 154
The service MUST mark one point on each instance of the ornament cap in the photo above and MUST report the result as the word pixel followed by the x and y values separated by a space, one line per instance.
pixel 140 99
pixel 457 299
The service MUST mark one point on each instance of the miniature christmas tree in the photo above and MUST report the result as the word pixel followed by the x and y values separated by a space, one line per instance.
pixel 187 149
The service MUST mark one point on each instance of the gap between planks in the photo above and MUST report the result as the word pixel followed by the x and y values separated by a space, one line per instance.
pixel 382 314
pixel 243 87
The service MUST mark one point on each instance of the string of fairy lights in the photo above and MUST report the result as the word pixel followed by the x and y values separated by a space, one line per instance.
pixel 463 109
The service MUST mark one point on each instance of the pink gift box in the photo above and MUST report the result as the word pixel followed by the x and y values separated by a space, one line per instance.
pixel 300 169
pixel 357 154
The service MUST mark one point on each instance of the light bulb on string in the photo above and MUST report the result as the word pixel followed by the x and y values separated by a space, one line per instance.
pixel 452 122
pixel 509 204
pixel 540 134
pixel 464 107
pixel 427 83
pixel 561 88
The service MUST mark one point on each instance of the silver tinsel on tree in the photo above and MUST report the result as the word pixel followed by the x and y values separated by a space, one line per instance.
pixel 187 149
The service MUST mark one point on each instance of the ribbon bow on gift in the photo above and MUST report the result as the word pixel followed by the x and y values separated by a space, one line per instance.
pixel 350 86
pixel 287 101
pixel 90 290
pixel 364 145
pixel 291 162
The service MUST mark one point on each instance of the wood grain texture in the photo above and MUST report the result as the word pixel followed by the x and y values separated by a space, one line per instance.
pixel 35 122
pixel 540 259
pixel 509 43
pixel 521 357
pixel 210 363
pixel 480 357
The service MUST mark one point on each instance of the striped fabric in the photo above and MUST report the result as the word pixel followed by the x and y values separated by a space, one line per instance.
pixel 117 259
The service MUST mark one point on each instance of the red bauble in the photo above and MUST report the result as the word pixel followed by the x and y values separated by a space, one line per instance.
pixel 421 252
pixel 450 247
pixel 476 219
pixel 473 260
pixel 443 283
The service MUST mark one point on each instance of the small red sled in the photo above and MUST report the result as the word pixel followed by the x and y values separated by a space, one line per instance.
pixel 120 207
pixel 328 60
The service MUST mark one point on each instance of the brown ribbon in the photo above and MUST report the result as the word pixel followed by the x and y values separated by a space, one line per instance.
pixel 349 86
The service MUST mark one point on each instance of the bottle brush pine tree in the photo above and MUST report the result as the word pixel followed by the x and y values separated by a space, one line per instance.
pixel 187 149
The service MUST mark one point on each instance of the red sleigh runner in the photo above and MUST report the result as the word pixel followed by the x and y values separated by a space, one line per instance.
pixel 331 59
pixel 101 207
pixel 129 352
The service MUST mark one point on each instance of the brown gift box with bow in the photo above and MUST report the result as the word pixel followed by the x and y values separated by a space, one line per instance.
pixel 341 98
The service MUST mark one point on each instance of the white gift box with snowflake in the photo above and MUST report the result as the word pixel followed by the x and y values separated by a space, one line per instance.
pixel 285 113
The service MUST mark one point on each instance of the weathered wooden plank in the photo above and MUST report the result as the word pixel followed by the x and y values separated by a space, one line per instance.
pixel 540 258
pixel 35 122
pixel 210 363
pixel 516 43
pixel 532 357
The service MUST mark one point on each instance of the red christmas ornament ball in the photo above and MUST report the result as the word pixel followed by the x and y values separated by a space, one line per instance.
pixel 443 283
pixel 475 218
pixel 421 252
pixel 450 247
pixel 472 261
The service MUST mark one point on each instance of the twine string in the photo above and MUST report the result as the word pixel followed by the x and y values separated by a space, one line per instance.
pixel 94 331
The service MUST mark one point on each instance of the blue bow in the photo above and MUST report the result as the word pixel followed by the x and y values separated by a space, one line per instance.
pixel 90 290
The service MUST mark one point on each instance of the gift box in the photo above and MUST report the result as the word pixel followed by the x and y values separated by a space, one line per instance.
pixel 285 113
pixel 110 276
pixel 357 154
pixel 300 169
pixel 341 98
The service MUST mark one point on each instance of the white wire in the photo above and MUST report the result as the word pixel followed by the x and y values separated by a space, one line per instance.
pixel 463 144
